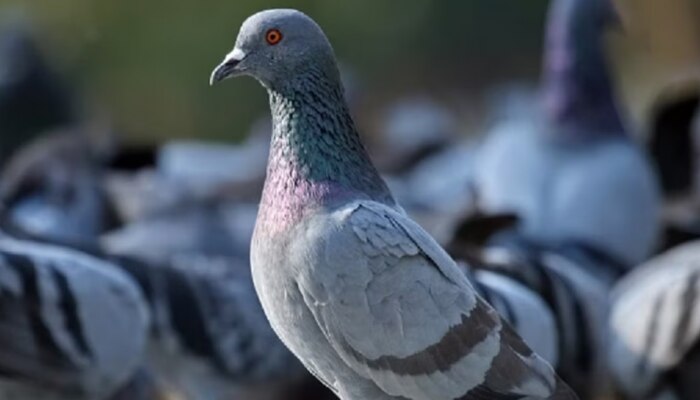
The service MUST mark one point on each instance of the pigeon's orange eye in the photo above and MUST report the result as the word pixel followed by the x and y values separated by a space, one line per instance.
pixel 273 36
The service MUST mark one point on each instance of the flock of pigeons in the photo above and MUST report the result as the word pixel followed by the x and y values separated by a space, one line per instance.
pixel 128 273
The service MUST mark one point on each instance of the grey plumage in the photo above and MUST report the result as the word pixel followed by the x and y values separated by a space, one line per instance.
pixel 529 315
pixel 655 327
pixel 71 326
pixel 574 284
pixel 366 299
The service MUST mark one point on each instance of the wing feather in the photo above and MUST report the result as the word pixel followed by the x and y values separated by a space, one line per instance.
pixel 432 336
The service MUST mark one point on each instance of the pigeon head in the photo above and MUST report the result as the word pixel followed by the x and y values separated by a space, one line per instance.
pixel 275 46
pixel 316 155
pixel 577 81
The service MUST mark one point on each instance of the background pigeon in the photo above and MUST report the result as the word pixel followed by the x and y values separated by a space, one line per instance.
pixel 71 327
pixel 210 337
pixel 570 171
pixel 655 326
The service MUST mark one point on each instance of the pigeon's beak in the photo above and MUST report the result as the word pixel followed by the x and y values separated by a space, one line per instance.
pixel 230 67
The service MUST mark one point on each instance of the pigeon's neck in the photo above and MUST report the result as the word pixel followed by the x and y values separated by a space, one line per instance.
pixel 316 157
pixel 578 89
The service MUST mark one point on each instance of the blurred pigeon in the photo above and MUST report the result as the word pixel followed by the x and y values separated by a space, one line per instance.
pixel 71 327
pixel 53 188
pixel 570 171
pixel 32 98
pixel 211 339
pixel 368 301
pixel 655 327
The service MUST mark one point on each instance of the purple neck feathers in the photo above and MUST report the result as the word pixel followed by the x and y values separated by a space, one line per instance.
pixel 316 157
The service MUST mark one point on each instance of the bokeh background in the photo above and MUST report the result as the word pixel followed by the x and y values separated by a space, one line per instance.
pixel 140 70
pixel 145 65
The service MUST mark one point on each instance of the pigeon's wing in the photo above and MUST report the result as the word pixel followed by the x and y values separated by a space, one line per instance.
pixel 398 310
pixel 67 321
pixel 655 319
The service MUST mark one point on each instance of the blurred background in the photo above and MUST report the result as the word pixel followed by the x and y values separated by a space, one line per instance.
pixel 145 65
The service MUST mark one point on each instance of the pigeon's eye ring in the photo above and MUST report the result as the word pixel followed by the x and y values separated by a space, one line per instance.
pixel 273 36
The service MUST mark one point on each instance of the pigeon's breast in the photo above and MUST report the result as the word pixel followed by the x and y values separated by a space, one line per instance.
pixel 276 269
pixel 282 265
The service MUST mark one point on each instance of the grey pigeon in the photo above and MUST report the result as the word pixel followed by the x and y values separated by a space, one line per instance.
pixel 210 337
pixel 655 328
pixel 586 197
pixel 570 170
pixel 366 299
pixel 72 327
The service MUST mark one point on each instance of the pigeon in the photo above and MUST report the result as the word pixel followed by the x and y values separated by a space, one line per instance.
pixel 361 294
pixel 654 328
pixel 210 338
pixel 72 327
pixel 568 168
pixel 585 196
